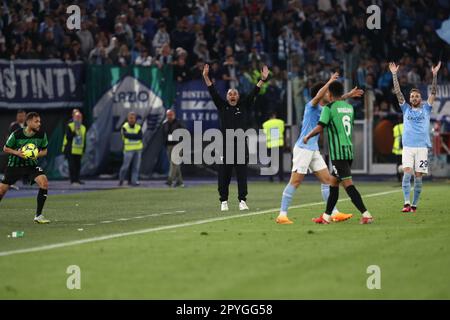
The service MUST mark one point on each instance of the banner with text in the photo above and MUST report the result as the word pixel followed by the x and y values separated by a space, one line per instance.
pixel 194 103
pixel 41 84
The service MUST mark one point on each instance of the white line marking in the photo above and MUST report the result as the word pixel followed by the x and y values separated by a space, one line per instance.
pixel 174 226
pixel 138 217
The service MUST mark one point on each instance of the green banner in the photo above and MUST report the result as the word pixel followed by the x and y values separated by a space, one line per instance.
pixel 110 93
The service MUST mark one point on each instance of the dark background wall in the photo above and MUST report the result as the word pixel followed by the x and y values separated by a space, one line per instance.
pixel 50 119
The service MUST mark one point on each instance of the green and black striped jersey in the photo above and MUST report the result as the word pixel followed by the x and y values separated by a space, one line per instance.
pixel 338 118
pixel 18 139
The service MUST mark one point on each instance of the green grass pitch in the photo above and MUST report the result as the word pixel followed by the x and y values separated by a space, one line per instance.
pixel 176 244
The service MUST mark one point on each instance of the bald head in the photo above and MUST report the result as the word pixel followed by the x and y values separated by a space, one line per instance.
pixel 170 115
pixel 232 97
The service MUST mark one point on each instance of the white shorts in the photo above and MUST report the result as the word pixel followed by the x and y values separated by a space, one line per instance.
pixel 304 159
pixel 416 158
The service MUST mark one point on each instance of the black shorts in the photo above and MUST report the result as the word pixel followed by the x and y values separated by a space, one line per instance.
pixel 13 174
pixel 341 169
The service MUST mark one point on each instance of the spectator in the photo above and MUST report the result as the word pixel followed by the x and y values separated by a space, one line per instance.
pixel 50 49
pixel 165 57
pixel 144 59
pixel 149 25
pixel 86 40
pixel 181 70
pixel 124 57
pixel 284 42
pixel 230 72
pixel 161 38
pixel 413 77
pixel 96 56
pixel 167 19
pixel 20 121
pixel 197 69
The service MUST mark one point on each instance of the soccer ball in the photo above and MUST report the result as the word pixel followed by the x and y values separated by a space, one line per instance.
pixel 30 151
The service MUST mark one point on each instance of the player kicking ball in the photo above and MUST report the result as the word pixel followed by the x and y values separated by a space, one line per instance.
pixel 337 116
pixel 306 155
pixel 22 161
pixel 416 136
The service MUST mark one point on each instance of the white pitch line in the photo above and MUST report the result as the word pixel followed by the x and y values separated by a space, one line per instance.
pixel 174 226
pixel 138 217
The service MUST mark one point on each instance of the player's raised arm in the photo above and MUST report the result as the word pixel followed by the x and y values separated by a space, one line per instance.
pixel 206 75
pixel 394 68
pixel 218 101
pixel 320 94
pixel 435 71
pixel 354 93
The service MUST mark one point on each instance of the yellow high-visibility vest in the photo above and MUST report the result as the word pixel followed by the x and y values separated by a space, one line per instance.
pixel 128 144
pixel 398 132
pixel 256 75
pixel 78 140
pixel 274 130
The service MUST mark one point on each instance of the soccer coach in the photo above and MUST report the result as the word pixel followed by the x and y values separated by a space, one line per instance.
pixel 233 115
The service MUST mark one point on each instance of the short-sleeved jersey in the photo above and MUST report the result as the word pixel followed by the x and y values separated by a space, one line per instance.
pixel 18 139
pixel 416 126
pixel 338 118
pixel 310 119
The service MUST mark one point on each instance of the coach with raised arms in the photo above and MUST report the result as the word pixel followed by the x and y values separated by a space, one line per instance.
pixel 233 115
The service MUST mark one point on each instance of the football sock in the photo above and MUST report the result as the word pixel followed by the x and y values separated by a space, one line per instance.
pixel 356 198
pixel 41 197
pixel 406 186
pixel 288 192
pixel 332 199
pixel 325 189
pixel 417 190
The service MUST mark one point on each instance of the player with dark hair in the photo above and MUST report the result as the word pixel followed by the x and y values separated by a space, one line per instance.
pixel 20 166
pixel 306 155
pixel 338 116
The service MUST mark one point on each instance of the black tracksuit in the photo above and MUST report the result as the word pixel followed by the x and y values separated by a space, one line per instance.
pixel 232 117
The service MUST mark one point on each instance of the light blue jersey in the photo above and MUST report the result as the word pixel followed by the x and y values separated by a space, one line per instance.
pixel 416 126
pixel 311 117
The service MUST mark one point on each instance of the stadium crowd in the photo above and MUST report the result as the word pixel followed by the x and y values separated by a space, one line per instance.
pixel 237 37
